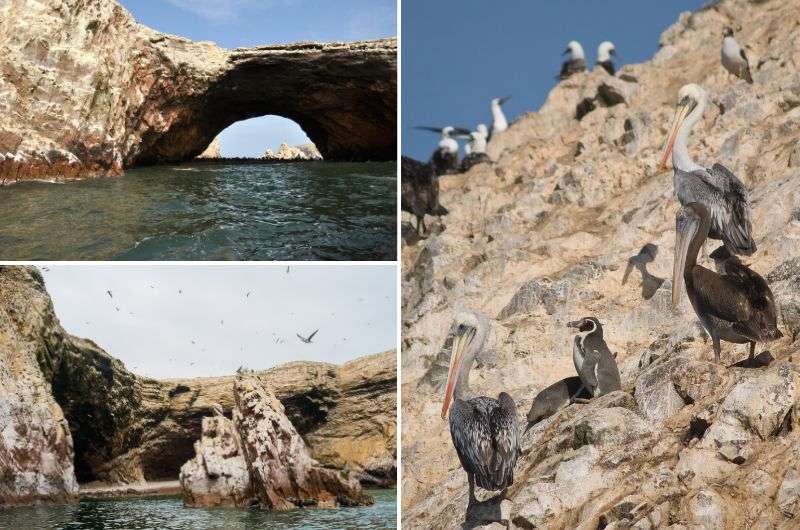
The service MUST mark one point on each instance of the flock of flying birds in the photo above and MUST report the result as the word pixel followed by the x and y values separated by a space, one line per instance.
pixel 733 302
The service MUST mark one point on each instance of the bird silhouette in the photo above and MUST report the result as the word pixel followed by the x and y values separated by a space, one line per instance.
pixel 307 340
pixel 110 295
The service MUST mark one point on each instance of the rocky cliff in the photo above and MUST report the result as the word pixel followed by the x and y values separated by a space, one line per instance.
pixel 85 90
pixel 543 234
pixel 61 392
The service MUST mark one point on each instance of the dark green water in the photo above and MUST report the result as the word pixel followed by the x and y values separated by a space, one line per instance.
pixel 168 513
pixel 308 211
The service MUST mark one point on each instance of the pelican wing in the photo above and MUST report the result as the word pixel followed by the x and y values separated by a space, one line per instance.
pixel 504 434
pixel 721 296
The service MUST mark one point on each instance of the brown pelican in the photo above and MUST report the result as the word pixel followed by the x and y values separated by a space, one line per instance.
pixel 499 122
pixel 445 158
pixel 605 52
pixel 733 57
pixel 593 360
pixel 576 62
pixel 555 397
pixel 716 187
pixel 736 306
pixel 419 191
pixel 483 429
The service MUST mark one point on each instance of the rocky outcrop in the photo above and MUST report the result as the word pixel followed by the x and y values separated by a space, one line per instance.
pixel 62 391
pixel 85 90
pixel 212 151
pixel 543 235
pixel 297 152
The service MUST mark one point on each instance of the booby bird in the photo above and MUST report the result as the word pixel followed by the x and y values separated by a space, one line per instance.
pixel 605 52
pixel 735 306
pixel 478 139
pixel 419 193
pixel 716 187
pixel 555 397
pixel 593 360
pixel 445 158
pixel 499 122
pixel 733 57
pixel 576 62
pixel 483 429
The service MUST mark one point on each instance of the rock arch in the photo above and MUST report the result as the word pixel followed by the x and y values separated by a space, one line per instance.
pixel 86 90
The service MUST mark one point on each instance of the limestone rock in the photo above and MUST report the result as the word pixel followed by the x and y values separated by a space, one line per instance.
pixel 212 151
pixel 297 152
pixel 86 90
pixel 284 475
pixel 218 474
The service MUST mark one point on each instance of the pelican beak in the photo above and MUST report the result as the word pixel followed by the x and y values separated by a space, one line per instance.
pixel 461 341
pixel 680 115
pixel 685 231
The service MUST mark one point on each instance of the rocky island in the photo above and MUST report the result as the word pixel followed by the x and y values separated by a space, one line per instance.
pixel 87 91
pixel 71 415
pixel 542 235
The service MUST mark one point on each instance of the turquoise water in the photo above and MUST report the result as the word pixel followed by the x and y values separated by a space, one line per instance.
pixel 168 513
pixel 305 211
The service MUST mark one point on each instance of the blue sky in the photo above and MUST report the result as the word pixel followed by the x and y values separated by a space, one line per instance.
pixel 458 55
pixel 243 23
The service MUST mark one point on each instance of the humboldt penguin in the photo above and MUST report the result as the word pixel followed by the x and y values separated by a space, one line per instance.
pixel 593 360
pixel 555 397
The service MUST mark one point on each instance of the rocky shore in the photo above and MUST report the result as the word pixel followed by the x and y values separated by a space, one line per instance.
pixel 87 91
pixel 542 235
pixel 70 413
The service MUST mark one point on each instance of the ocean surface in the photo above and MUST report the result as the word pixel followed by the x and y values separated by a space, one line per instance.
pixel 168 513
pixel 300 211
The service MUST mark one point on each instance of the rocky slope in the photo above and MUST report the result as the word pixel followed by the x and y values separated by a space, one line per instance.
pixel 542 236
pixel 87 91
pixel 297 152
pixel 61 391
pixel 212 151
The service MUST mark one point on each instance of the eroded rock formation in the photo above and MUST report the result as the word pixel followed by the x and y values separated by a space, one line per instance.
pixel 542 236
pixel 297 152
pixel 86 90
pixel 212 151
pixel 61 391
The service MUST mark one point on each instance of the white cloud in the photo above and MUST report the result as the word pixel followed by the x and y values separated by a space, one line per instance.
pixel 225 10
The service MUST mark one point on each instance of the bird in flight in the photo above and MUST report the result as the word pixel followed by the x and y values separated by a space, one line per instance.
pixel 248 294
pixel 287 269
pixel 307 340
pixel 109 294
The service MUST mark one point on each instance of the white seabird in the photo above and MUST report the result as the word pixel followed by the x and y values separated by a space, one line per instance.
pixel 576 62
pixel 605 52
pixel 733 57
pixel 478 139
pixel 499 123
pixel 445 158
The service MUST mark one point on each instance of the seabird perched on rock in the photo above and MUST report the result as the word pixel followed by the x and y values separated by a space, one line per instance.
pixel 735 306
pixel 483 429
pixel 593 360
pixel 419 191
pixel 576 62
pixel 555 397
pixel 605 52
pixel 445 158
pixel 717 188
pixel 499 122
pixel 478 139
pixel 733 57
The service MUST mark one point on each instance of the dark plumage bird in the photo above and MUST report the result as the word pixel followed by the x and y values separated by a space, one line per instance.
pixel 736 305
pixel 308 339
pixel 733 57
pixel 483 429
pixel 593 360
pixel 445 158
pixel 419 193
pixel 576 62
pixel 722 193
pixel 605 52
pixel 555 397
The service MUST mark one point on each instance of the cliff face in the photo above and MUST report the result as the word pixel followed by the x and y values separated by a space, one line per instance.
pixel 85 90
pixel 543 235
pixel 60 391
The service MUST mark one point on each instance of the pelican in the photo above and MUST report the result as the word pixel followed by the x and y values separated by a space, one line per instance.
pixel 445 158
pixel 483 429
pixel 576 62
pixel 419 191
pixel 499 122
pixel 736 306
pixel 733 57
pixel 721 192
pixel 593 360
pixel 605 52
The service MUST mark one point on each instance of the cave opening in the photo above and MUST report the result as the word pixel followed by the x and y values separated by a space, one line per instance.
pixel 268 136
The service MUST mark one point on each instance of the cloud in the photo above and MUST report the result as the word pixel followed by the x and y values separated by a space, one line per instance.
pixel 225 11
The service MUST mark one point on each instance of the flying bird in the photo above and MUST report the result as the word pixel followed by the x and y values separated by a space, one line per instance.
pixel 307 340
pixel 483 429
pixel 736 305
pixel 576 62
pixel 717 188
pixel 605 52
pixel 109 294
pixel 733 57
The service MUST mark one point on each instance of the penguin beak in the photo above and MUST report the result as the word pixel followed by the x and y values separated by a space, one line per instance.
pixel 461 342
pixel 574 324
